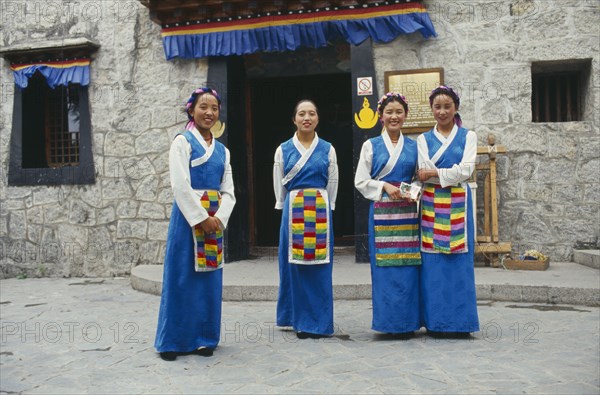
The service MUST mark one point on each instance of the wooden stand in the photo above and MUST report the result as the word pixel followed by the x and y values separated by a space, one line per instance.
pixel 488 244
pixel 519 264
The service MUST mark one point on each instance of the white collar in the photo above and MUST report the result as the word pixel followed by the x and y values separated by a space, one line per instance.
pixel 301 147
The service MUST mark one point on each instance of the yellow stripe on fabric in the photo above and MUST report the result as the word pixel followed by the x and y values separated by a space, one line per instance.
pixel 442 226
pixel 415 255
pixel 56 66
pixel 287 22
pixel 297 227
pixel 460 215
pixel 397 227
pixel 429 213
pixel 426 239
pixel 457 242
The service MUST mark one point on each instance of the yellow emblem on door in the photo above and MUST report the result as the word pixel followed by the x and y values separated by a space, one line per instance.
pixel 366 118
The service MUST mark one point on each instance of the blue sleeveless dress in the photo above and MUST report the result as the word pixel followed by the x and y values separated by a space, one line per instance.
pixel 190 304
pixel 448 296
pixel 305 299
pixel 395 289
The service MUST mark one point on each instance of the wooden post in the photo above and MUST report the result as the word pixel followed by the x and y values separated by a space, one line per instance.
pixel 489 243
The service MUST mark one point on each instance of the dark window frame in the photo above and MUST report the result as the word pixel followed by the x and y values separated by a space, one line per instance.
pixel 84 173
pixel 558 90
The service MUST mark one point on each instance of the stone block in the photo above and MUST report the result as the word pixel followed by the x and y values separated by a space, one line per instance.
pixel 151 210
pixel 567 193
pixel 119 144
pixel 127 209
pixel 591 193
pixel 55 214
pixel 588 171
pixel 105 215
pixel 82 214
pixel 157 230
pixel 117 188
pixel 137 168
pixel 131 229
pixel 147 189
pixel 152 141
pixel 561 145
pixel 45 195
pixel 17 225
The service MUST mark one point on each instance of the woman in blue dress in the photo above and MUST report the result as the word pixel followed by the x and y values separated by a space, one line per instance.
pixel 447 155
pixel 385 162
pixel 305 180
pixel 189 320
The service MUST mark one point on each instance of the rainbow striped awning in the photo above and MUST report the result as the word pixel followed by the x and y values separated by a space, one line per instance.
pixel 282 31
pixel 62 72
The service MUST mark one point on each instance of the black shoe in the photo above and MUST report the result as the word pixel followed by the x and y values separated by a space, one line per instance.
pixel 168 355
pixel 403 336
pixel 435 334
pixel 204 352
pixel 308 335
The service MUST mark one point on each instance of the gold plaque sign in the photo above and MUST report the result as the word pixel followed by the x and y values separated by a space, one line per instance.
pixel 416 85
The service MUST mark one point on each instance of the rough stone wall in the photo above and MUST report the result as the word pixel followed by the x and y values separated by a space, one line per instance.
pixel 136 98
pixel 549 181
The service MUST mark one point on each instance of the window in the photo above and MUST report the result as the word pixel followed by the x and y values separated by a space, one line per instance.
pixel 558 90
pixel 51 135
pixel 51 139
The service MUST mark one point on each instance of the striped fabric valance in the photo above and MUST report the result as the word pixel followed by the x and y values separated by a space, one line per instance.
pixel 282 31
pixel 76 71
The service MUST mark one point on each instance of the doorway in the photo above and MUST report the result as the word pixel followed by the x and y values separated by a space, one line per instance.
pixel 270 112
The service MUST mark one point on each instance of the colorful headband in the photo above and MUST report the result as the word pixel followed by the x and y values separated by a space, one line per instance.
pixel 200 91
pixel 387 96
pixel 443 89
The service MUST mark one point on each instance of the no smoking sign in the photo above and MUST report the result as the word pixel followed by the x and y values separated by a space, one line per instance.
pixel 364 86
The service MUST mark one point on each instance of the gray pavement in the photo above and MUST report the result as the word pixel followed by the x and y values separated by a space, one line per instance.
pixel 257 280
pixel 96 336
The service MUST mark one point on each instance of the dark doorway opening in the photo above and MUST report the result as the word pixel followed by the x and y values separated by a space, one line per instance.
pixel 272 102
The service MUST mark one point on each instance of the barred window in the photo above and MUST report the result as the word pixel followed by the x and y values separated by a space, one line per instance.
pixel 558 90
pixel 51 141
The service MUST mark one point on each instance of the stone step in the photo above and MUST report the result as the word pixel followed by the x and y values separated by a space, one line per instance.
pixel 589 258
pixel 258 280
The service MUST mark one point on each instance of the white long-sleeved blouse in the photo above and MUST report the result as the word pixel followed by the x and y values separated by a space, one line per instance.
pixel 456 174
pixel 278 173
pixel 188 199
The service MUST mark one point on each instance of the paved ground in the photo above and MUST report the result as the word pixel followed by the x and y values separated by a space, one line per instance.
pixel 96 336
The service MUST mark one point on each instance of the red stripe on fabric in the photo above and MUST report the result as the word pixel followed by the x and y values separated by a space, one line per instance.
pixel 427 244
pixel 297 220
pixel 321 220
pixel 458 194
pixel 298 246
pixel 320 246
pixel 441 232
pixel 309 256
pixel 457 221
pixel 442 205
pixel 428 218
pixel 428 193
pixel 458 247
pixel 310 234
pixel 294 18
pixel 312 208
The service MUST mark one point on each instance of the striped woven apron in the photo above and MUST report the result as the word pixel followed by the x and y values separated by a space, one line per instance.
pixel 208 247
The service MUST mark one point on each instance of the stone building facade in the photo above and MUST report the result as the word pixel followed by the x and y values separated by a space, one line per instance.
pixel 548 181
